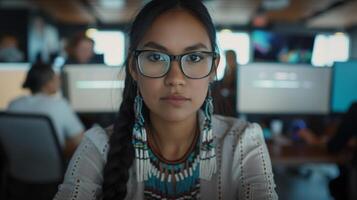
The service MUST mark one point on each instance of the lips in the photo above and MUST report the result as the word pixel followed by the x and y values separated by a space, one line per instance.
pixel 176 100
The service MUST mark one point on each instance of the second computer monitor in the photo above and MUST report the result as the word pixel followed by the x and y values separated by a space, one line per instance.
pixel 344 87
pixel 276 88
pixel 12 76
pixel 94 88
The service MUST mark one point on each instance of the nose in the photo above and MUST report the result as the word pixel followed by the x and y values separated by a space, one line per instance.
pixel 175 76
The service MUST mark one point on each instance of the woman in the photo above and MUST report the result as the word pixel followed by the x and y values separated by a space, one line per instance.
pixel 162 145
pixel 224 91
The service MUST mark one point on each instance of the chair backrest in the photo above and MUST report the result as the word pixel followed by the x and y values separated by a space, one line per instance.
pixel 31 146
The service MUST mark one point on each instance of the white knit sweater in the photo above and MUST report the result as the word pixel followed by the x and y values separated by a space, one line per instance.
pixel 243 166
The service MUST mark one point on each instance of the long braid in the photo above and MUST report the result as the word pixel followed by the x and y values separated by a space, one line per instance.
pixel 121 152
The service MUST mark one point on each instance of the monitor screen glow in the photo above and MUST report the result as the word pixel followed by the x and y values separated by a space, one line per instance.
pixel 12 76
pixel 344 87
pixel 275 88
pixel 94 88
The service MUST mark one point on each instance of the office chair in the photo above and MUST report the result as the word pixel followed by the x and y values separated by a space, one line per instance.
pixel 34 160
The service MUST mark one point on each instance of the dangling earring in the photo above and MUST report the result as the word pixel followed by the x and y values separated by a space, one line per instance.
pixel 207 149
pixel 209 105
pixel 140 141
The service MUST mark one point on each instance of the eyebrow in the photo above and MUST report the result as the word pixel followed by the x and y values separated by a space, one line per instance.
pixel 162 48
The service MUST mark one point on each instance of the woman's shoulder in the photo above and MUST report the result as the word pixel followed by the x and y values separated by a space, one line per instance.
pixel 244 154
pixel 83 178
pixel 97 133
pixel 224 126
pixel 99 137
pixel 90 156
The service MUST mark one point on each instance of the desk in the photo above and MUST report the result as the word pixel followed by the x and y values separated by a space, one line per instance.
pixel 297 154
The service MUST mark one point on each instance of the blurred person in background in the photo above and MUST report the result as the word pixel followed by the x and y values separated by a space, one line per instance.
pixel 9 50
pixel 43 39
pixel 80 50
pixel 339 137
pixel 44 85
pixel 224 91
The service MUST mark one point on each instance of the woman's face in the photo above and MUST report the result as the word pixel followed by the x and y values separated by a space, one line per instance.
pixel 174 97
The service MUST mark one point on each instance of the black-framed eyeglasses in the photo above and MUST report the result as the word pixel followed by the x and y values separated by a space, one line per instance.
pixel 156 64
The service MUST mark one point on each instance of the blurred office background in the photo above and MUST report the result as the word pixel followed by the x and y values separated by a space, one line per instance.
pixel 295 73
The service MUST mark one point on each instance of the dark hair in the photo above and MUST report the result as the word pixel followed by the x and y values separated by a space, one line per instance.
pixel 38 76
pixel 230 51
pixel 75 40
pixel 121 153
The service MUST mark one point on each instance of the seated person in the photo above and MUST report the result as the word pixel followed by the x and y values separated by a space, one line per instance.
pixel 44 84
pixel 346 131
pixel 224 91
pixel 343 135
pixel 338 136
pixel 9 50
pixel 80 50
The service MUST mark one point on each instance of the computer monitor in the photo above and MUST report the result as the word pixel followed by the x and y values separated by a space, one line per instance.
pixel 282 47
pixel 344 86
pixel 93 88
pixel 276 88
pixel 12 76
